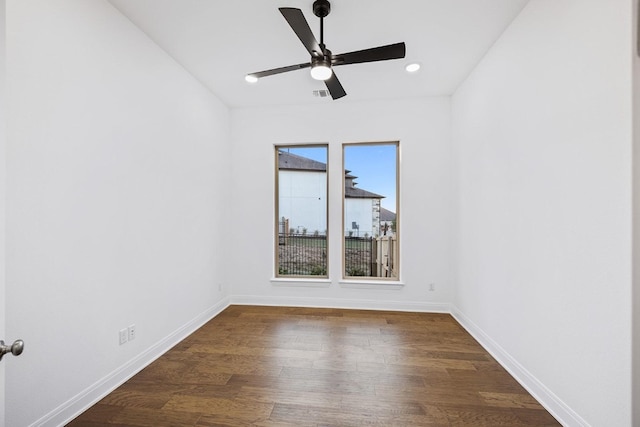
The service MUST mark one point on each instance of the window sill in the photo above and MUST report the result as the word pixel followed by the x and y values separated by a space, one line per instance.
pixel 371 284
pixel 301 282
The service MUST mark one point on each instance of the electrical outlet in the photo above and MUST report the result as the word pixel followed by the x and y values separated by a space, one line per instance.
pixel 123 336
pixel 132 332
pixel 432 287
pixel 219 287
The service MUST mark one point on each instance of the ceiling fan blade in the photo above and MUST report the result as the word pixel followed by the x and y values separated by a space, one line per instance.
pixel 300 26
pixel 279 70
pixel 381 53
pixel 335 88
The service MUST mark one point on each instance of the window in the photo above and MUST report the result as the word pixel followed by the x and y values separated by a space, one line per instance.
pixel 370 210
pixel 301 211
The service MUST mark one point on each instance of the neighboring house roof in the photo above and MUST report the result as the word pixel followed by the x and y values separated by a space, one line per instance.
pixel 359 193
pixel 351 191
pixel 387 215
pixel 288 161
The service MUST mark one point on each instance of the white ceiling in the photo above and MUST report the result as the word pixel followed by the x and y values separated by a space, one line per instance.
pixel 220 42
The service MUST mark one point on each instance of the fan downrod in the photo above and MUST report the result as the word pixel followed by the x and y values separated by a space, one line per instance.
pixel 321 8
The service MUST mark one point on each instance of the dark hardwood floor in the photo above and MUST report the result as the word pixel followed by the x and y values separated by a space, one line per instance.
pixel 274 366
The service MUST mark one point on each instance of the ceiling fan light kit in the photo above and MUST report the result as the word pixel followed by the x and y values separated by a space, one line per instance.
pixel 321 72
pixel 322 60
pixel 321 67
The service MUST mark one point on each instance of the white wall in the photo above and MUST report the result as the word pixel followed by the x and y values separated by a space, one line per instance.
pixel 3 144
pixel 116 174
pixel 635 36
pixel 423 129
pixel 542 130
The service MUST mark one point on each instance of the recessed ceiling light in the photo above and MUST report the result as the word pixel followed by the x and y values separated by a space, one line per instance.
pixel 412 68
pixel 250 78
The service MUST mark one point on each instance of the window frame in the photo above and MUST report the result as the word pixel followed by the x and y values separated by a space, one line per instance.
pixel 397 265
pixel 276 236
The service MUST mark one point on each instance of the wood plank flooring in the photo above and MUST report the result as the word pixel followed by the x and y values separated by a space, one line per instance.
pixel 274 366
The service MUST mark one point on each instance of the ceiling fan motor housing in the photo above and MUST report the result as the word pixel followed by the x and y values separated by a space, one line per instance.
pixel 321 8
pixel 324 60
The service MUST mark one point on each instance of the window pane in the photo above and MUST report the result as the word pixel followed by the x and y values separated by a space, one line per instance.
pixel 301 211
pixel 370 210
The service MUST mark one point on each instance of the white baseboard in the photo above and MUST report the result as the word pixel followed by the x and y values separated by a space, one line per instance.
pixel 552 403
pixel 91 395
pixel 355 304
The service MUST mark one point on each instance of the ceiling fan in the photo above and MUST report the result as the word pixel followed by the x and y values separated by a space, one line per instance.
pixel 322 60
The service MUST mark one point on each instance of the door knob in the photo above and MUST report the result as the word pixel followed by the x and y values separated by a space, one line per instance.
pixel 16 348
